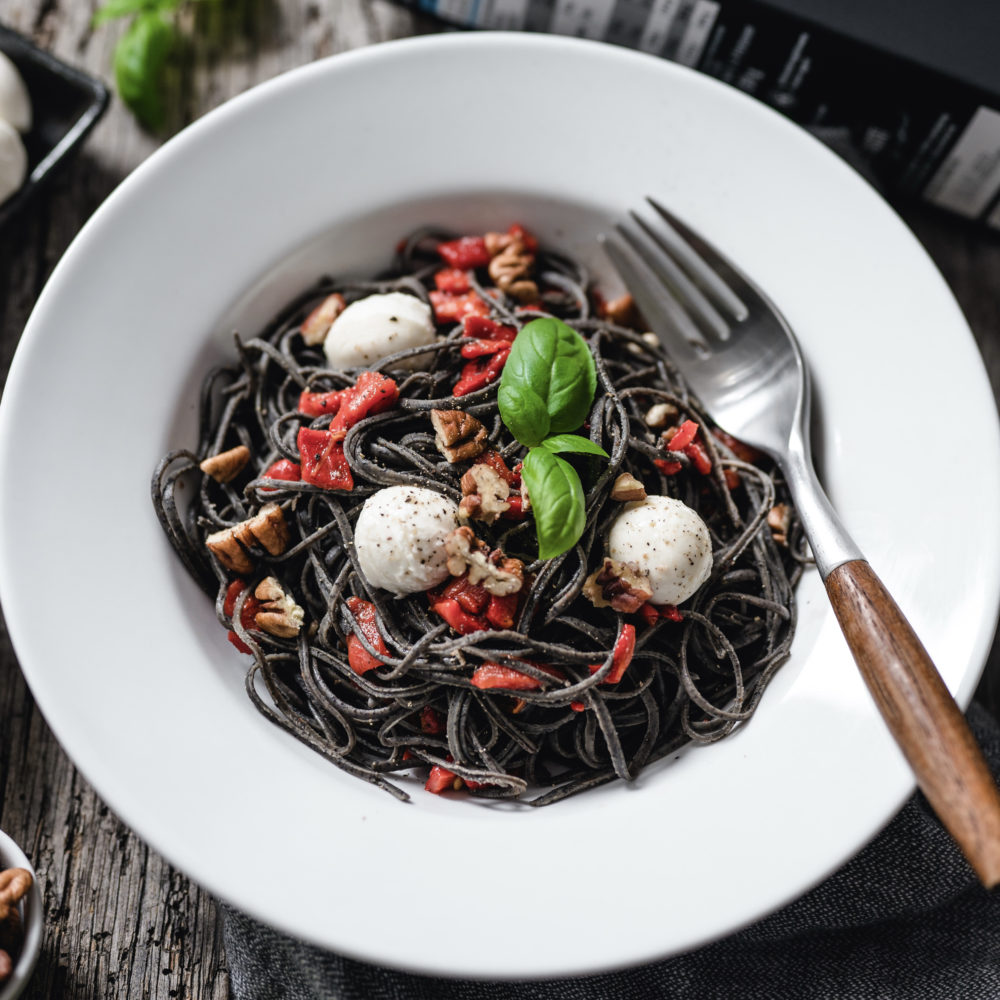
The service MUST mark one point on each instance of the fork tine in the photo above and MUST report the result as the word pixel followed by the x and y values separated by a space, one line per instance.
pixel 660 257
pixel 654 299
pixel 710 267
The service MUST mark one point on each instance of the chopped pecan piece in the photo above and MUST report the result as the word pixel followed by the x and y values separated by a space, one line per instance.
pixel 659 414
pixel 279 614
pixel 627 488
pixel 779 520
pixel 14 886
pixel 226 465
pixel 510 270
pixel 619 586
pixel 498 574
pixel 484 495
pixel 458 435
pixel 266 528
pixel 317 324
pixel 620 311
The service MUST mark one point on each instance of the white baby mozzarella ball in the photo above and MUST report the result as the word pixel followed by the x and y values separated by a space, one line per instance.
pixel 15 104
pixel 369 329
pixel 13 161
pixel 666 540
pixel 400 538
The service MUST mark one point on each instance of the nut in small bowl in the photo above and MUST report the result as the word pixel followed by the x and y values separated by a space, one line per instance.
pixel 21 927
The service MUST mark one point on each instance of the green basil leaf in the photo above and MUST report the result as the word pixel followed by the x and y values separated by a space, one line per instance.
pixel 140 57
pixel 572 443
pixel 122 8
pixel 554 361
pixel 556 500
pixel 523 411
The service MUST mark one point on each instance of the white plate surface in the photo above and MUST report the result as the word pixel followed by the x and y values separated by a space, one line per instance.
pixel 322 170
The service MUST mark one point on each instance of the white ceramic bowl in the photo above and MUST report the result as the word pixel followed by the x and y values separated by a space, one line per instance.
pixel 11 856
pixel 322 170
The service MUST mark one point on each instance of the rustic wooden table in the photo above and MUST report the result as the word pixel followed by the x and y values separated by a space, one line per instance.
pixel 119 920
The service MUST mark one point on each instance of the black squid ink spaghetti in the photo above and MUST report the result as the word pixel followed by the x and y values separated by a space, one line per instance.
pixel 467 523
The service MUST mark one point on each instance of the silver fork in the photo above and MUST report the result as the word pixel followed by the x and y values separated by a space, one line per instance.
pixel 740 357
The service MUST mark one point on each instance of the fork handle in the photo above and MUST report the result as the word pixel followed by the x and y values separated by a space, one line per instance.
pixel 921 714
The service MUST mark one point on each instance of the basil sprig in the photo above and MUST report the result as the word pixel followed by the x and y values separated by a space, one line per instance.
pixel 143 52
pixel 546 391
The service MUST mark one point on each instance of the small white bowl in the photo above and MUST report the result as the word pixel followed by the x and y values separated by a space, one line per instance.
pixel 11 856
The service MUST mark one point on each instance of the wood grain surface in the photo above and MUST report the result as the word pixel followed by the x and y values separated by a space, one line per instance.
pixel 120 922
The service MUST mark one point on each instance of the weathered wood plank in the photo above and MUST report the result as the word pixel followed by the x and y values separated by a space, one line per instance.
pixel 119 921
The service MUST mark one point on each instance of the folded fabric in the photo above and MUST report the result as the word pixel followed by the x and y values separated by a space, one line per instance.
pixel 905 919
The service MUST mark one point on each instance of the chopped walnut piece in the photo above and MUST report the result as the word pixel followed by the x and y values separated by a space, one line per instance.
pixel 495 242
pixel 619 586
pixel 627 488
pixel 659 413
pixel 485 494
pixel 779 520
pixel 498 574
pixel 226 465
pixel 266 528
pixel 510 270
pixel 280 615
pixel 459 436
pixel 14 886
pixel 317 324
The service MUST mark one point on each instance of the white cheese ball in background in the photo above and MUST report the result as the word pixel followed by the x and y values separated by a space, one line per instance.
pixel 666 540
pixel 372 327
pixel 400 538
pixel 13 161
pixel 15 104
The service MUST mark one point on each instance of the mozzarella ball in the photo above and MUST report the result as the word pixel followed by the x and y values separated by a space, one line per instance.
pixel 369 329
pixel 13 161
pixel 15 104
pixel 400 538
pixel 666 540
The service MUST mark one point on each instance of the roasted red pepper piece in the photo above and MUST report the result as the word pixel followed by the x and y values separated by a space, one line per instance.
pixel 317 404
pixel 358 657
pixel 683 436
pixel 431 721
pixel 496 675
pixel 282 469
pixel 464 253
pixel 453 308
pixel 461 621
pixel 480 373
pixel 667 466
pixel 321 452
pixel 323 460
pixel 480 348
pixel 470 596
pixel 442 780
pixel 483 328
pixel 699 457
pixel 372 393
pixel 502 610
pixel 452 281
pixel 248 615
pixel 621 656
pixel 652 613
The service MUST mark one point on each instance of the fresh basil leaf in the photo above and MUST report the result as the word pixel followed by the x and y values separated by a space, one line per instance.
pixel 572 443
pixel 554 361
pixel 140 57
pixel 524 412
pixel 556 500
pixel 122 8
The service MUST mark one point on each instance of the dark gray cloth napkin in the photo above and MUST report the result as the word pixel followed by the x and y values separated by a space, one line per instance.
pixel 905 919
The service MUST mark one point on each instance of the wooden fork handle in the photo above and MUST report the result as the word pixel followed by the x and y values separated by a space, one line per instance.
pixel 921 714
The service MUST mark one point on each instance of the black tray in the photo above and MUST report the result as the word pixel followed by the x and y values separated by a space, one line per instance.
pixel 66 104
